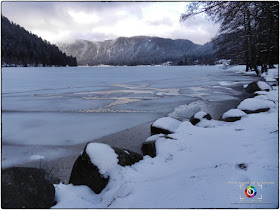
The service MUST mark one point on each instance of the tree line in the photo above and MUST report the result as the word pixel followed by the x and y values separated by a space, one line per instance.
pixel 249 31
pixel 20 47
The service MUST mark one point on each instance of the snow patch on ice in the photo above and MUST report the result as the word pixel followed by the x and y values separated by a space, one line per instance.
pixel 102 156
pixel 36 157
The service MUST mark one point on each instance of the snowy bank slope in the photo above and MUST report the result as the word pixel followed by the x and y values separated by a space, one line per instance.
pixel 201 168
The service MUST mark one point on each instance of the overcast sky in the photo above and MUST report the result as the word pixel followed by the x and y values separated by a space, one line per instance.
pixel 98 21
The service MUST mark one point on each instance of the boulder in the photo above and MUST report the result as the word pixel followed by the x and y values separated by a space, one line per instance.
pixel 164 125
pixel 199 116
pixel 26 188
pixel 233 115
pixel 257 86
pixel 256 111
pixel 95 176
pixel 255 105
pixel 149 148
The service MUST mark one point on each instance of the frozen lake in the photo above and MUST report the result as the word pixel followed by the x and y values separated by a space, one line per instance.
pixel 74 105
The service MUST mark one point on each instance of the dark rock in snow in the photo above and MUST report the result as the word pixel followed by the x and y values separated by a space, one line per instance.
pixel 84 172
pixel 256 111
pixel 26 188
pixel 252 87
pixel 231 119
pixel 255 86
pixel 195 119
pixel 155 130
pixel 242 166
pixel 127 157
pixel 149 148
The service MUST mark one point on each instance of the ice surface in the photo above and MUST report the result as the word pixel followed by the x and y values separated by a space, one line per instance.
pixel 102 156
pixel 48 128
pixel 167 123
pixel 253 104
pixel 233 113
pixel 69 106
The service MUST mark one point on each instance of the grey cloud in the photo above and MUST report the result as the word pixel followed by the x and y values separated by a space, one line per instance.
pixel 164 21
pixel 53 18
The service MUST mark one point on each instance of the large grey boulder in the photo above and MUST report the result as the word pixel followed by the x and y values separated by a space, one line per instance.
pixel 26 188
pixel 87 172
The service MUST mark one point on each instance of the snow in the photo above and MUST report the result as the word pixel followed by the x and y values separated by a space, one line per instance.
pixel 233 113
pixel 167 123
pixel 200 115
pixel 266 95
pixel 198 159
pixel 263 85
pixel 102 156
pixel 186 111
pixel 271 74
pixel 198 168
pixel 37 157
pixel 155 137
pixel 252 104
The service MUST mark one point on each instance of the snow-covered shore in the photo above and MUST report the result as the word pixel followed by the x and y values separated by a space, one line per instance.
pixel 204 166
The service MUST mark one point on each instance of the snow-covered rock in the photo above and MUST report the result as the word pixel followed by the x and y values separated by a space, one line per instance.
pixel 257 86
pixel 233 115
pixel 103 157
pixel 165 125
pixel 272 95
pixel 254 105
pixel 149 146
pixel 199 116
pixel 98 163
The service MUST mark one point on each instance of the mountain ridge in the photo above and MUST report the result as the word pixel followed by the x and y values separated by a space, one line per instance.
pixel 137 50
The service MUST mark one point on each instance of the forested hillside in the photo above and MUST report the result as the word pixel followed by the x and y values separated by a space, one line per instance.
pixel 139 50
pixel 20 47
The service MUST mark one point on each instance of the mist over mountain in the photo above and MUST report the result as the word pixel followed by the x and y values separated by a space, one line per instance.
pixel 138 50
